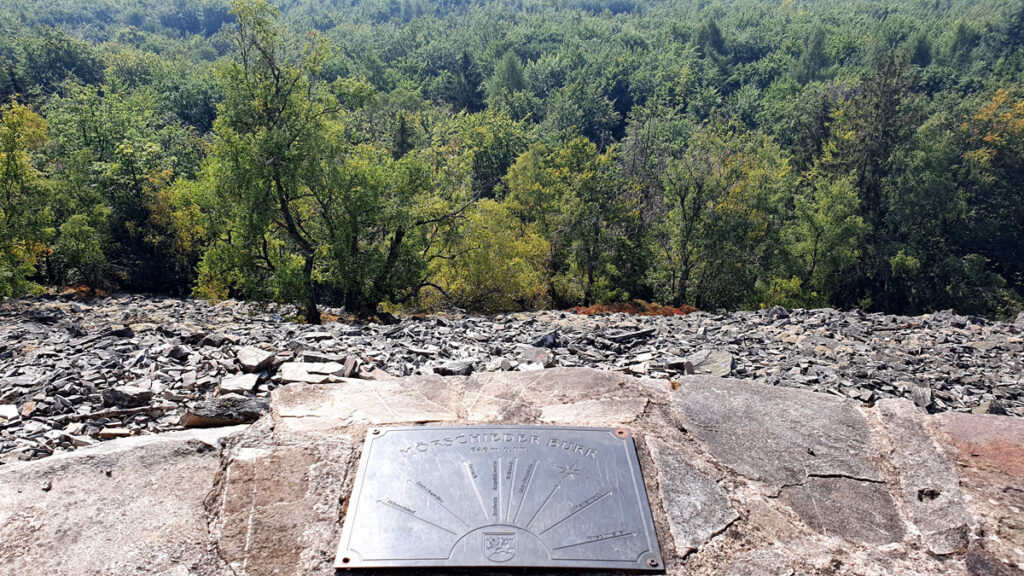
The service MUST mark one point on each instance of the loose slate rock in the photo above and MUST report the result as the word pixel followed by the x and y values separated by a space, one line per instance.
pixel 238 384
pixel 216 339
pixel 253 359
pixel 713 363
pixel 120 331
pixel 697 507
pixel 228 411
pixel 115 433
pixel 8 411
pixel 127 396
pixel 456 368
pixel 292 372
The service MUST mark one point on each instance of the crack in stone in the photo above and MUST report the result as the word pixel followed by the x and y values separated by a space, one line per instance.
pixel 811 475
pixel 718 533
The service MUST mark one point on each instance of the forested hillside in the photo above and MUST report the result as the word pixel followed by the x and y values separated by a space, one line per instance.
pixel 515 154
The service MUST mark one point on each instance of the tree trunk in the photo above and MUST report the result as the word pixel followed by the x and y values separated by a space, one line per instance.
pixel 380 288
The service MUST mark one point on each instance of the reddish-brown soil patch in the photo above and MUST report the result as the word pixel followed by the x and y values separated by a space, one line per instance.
pixel 634 307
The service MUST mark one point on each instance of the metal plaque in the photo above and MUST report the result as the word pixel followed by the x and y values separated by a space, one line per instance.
pixel 499 496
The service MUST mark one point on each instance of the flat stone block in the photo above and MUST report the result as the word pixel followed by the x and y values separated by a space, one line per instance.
pixel 846 508
pixel 930 487
pixel 779 436
pixel 697 507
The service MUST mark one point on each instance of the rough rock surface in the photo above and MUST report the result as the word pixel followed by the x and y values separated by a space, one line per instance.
pixel 269 498
pixel 697 507
pixel 784 438
pixel 930 487
pixel 134 506
pixel 60 358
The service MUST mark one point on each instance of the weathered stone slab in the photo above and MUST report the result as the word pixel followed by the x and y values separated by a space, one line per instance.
pixel 274 508
pixel 989 459
pixel 309 407
pixel 127 396
pixel 128 506
pixel 8 411
pixel 851 509
pixel 227 411
pixel 712 363
pixel 697 507
pixel 930 487
pixel 302 372
pixel 595 412
pixel 779 436
pixel 508 396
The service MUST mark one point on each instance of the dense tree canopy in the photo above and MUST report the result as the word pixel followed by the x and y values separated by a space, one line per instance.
pixel 506 154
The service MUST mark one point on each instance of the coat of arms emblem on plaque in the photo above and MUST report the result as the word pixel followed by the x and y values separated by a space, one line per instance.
pixel 499 546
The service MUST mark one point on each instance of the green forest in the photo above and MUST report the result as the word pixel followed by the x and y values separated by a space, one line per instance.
pixel 495 155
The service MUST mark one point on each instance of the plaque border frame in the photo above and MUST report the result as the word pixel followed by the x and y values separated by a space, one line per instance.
pixel 650 561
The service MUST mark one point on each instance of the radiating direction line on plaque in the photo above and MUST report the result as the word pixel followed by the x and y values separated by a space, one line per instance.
pixel 419 485
pixel 476 489
pixel 580 507
pixel 511 488
pixel 545 503
pixel 600 538
pixel 531 471
pixel 411 513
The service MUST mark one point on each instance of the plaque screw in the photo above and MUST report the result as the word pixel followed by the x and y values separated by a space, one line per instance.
pixel 346 560
pixel 375 431
pixel 622 433
pixel 653 563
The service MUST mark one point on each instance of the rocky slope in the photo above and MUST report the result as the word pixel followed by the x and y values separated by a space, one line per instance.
pixel 73 373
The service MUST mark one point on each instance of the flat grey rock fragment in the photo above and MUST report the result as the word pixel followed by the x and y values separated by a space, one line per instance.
pixel 698 509
pixel 226 411
pixel 238 384
pixel 455 368
pixel 712 363
pixel 778 436
pixel 253 359
pixel 851 509
pixel 931 489
pixel 127 396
